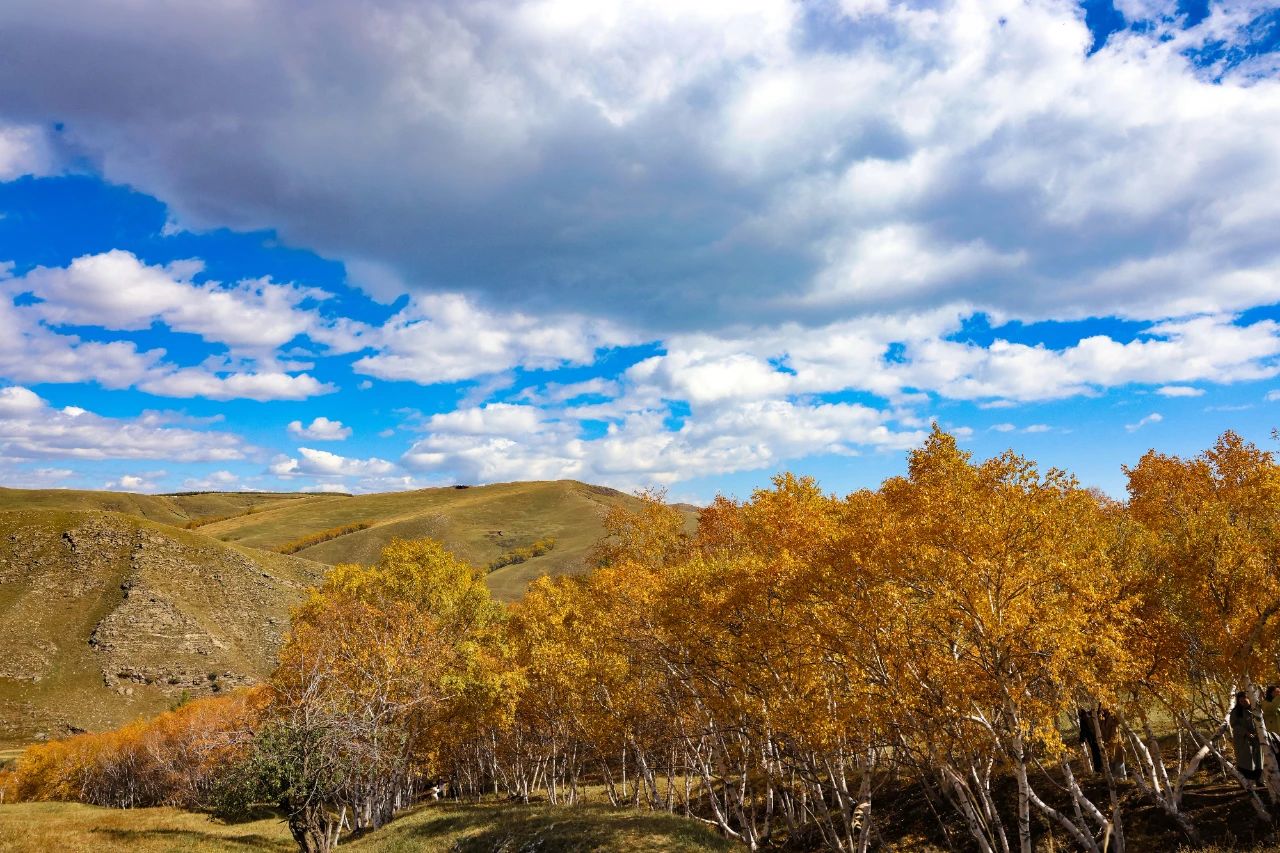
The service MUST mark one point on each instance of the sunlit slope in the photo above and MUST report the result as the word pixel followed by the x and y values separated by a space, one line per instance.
pixel 443 827
pixel 169 509
pixel 479 523
pixel 105 617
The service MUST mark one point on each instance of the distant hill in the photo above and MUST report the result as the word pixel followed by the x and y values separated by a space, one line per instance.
pixel 479 523
pixel 105 617
pixel 111 608
pixel 168 509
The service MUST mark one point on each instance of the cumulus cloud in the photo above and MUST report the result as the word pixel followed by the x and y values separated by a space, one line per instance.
pixel 196 382
pixel 792 209
pixel 32 429
pixel 134 483
pixel 896 356
pixel 320 429
pixel 115 290
pixel 321 463
pixel 30 352
pixel 714 163
pixel 503 442
pixel 447 337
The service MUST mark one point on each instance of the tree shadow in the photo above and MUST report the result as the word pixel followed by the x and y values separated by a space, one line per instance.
pixel 550 829
pixel 187 839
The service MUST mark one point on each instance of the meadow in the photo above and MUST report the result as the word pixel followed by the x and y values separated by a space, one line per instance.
pixel 432 828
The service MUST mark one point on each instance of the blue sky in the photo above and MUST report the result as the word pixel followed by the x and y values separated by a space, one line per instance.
pixel 388 245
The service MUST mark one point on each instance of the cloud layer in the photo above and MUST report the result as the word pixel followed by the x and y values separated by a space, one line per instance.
pixel 666 165
pixel 636 242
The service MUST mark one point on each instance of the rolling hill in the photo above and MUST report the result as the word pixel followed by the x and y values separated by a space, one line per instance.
pixel 167 509
pixel 105 617
pixel 479 523
pixel 111 608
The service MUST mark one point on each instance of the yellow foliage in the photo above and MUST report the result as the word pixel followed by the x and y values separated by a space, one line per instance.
pixel 172 759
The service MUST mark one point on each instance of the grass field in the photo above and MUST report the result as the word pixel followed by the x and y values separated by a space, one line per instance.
pixel 478 523
pixel 167 509
pixel 434 828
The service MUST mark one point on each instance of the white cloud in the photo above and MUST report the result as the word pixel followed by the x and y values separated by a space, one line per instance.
pixel 655 162
pixel 31 429
pixel 134 483
pixel 769 363
pixel 116 290
pixel 1032 429
pixel 320 429
pixel 789 215
pixel 31 352
pixel 24 150
pixel 1272 396
pixel 321 463
pixel 447 338
pixel 34 478
pixel 504 442
pixel 554 392
pixel 195 382
pixel 331 488
pixel 1153 418
pixel 218 481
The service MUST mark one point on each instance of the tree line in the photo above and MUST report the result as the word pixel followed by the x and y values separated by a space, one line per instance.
pixel 963 628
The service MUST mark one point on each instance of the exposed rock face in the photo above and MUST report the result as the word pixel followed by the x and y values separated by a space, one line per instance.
pixel 104 617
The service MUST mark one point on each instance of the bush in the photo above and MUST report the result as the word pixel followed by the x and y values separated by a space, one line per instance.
pixel 322 536
pixel 174 759
pixel 520 555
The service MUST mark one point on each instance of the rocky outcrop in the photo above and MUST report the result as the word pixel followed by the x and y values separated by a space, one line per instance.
pixel 104 616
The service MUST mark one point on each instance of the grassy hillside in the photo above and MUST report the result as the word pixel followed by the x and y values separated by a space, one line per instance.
pixel 168 509
pixel 441 827
pixel 479 523
pixel 105 617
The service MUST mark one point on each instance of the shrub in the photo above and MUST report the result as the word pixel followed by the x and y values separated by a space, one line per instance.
pixel 321 536
pixel 520 555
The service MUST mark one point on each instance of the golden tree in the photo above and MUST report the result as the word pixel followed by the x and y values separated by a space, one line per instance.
pixel 1212 550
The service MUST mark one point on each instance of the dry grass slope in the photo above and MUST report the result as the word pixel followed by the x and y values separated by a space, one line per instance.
pixel 479 523
pixel 167 509
pixel 436 828
pixel 106 617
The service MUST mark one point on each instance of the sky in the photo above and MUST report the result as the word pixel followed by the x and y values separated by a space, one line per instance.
pixel 389 245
